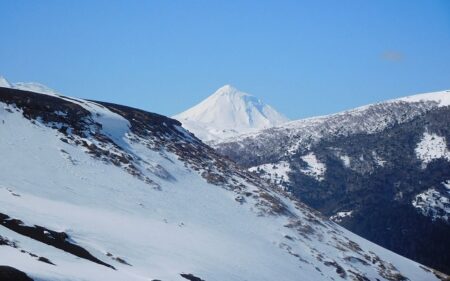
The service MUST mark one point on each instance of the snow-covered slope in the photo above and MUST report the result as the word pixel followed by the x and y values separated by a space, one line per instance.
pixel 229 112
pixel 97 191
pixel 442 98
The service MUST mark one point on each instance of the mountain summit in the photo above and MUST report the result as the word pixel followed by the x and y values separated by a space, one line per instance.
pixel 28 86
pixel 229 112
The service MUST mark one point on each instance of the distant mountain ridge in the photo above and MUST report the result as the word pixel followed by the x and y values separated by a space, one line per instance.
pixel 229 112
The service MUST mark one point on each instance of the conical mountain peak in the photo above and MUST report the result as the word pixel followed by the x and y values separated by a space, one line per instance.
pixel 227 112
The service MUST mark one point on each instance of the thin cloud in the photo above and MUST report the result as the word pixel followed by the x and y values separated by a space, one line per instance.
pixel 393 56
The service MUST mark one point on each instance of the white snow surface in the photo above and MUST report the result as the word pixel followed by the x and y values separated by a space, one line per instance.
pixel 442 98
pixel 431 147
pixel 315 168
pixel 229 112
pixel 188 226
pixel 345 160
pixel 341 215
pixel 277 173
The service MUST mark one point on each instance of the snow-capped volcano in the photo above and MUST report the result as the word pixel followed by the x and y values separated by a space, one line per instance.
pixel 229 112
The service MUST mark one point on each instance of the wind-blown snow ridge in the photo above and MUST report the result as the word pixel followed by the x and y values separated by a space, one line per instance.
pixel 443 98
pixel 228 112
pixel 154 202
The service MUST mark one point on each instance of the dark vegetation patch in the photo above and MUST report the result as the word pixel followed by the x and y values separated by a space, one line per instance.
pixel 386 269
pixel 358 276
pixel 58 240
pixel 339 269
pixel 35 106
pixel 6 242
pixel 8 273
pixel 44 259
pixel 191 277
pixel 118 259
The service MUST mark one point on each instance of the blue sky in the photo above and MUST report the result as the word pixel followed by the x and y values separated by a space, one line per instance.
pixel 305 58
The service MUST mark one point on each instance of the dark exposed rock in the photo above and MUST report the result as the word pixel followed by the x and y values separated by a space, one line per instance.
pixel 191 277
pixel 118 259
pixel 357 276
pixel 8 273
pixel 339 269
pixel 58 240
pixel 44 259
pixel 6 242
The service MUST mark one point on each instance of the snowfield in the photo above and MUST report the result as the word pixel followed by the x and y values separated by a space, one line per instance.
pixel 276 173
pixel 315 168
pixel 432 147
pixel 152 202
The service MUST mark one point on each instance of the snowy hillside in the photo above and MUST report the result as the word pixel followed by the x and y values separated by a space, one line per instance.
pixel 97 191
pixel 229 112
pixel 378 170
